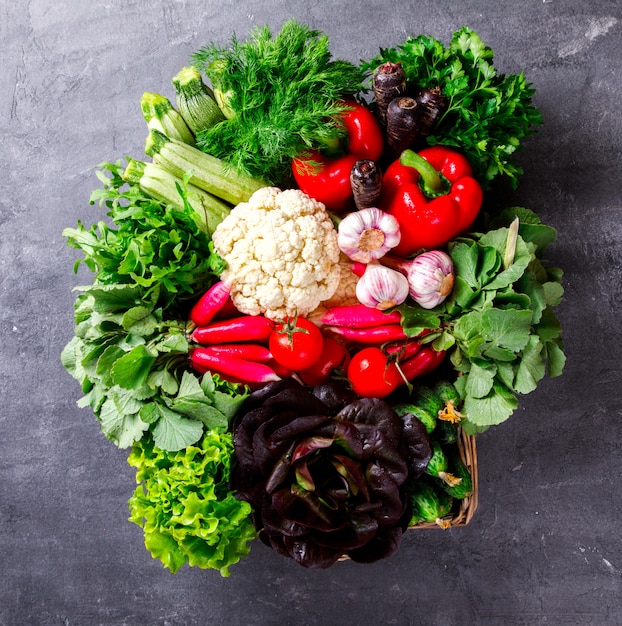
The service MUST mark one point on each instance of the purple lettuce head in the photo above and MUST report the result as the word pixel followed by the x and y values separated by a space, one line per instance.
pixel 325 471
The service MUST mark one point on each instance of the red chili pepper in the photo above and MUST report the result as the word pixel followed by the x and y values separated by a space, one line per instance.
pixel 422 363
pixel 327 179
pixel 334 355
pixel 433 196
pixel 403 350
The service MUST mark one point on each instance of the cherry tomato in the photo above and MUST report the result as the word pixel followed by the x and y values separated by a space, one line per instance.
pixel 296 343
pixel 333 355
pixel 372 375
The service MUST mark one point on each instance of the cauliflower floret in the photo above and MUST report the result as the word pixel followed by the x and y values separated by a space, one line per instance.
pixel 281 252
pixel 344 294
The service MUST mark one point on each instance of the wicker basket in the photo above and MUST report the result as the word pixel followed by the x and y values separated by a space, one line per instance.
pixel 462 516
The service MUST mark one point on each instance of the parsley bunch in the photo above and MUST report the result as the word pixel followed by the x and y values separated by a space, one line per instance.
pixel 488 114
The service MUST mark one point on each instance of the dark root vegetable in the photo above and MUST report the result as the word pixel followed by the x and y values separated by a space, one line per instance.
pixel 388 82
pixel 402 123
pixel 366 183
pixel 432 104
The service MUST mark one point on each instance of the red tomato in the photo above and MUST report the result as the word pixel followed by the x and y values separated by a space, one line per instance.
pixel 296 343
pixel 372 375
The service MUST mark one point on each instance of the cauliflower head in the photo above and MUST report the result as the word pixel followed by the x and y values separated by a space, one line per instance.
pixel 281 253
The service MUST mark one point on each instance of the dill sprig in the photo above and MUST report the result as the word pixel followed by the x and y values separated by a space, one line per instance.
pixel 282 95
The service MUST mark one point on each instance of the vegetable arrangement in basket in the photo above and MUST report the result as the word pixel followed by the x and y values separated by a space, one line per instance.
pixel 301 314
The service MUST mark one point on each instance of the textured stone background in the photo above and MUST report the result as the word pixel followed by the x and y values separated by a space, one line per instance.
pixel 544 546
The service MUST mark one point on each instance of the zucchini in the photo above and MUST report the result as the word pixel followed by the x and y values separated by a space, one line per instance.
pixel 195 100
pixel 161 185
pixel 161 116
pixel 206 171
pixel 427 419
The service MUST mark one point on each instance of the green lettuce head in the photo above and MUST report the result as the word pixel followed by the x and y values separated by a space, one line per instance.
pixel 184 505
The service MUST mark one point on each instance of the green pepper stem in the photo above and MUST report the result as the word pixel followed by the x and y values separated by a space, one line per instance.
pixel 431 179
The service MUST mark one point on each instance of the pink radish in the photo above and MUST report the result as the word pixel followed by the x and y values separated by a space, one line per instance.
pixel 241 328
pixel 371 336
pixel 210 303
pixel 358 316
pixel 206 360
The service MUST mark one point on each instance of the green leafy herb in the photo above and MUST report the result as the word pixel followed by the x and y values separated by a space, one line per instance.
pixel 129 352
pixel 281 95
pixel 184 506
pixel 499 324
pixel 488 114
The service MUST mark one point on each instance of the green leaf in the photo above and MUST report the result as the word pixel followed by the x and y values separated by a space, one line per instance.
pixel 71 358
pixel 227 404
pixel 479 380
pixel 172 342
pixel 531 367
pixel 164 379
pixel 556 358
pixel 105 363
pixel 122 428
pixel 465 257
pixel 505 328
pixel 173 431
pixel 185 508
pixel 416 319
pixel 140 320
pixel 114 298
pixel 132 369
pixel 493 409
pixel 553 293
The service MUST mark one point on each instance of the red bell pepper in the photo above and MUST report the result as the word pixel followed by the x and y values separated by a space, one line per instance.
pixel 327 179
pixel 433 196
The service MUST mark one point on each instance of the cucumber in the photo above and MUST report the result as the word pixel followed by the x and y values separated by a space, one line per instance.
pixel 465 486
pixel 438 465
pixel 428 504
pixel 451 400
pixel 427 399
pixel 446 391
pixel 446 432
pixel 427 419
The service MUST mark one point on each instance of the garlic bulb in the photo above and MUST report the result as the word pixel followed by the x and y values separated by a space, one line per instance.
pixel 368 234
pixel 430 276
pixel 381 287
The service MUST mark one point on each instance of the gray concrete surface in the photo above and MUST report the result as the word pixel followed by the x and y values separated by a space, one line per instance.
pixel 544 546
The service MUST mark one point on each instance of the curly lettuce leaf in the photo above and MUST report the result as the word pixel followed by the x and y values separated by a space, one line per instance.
pixel 185 508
